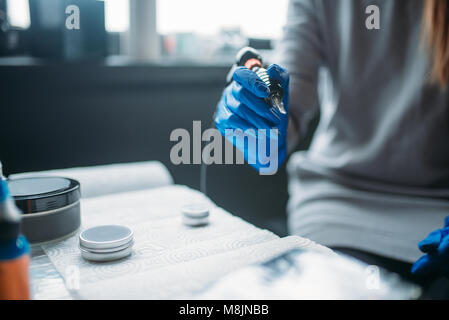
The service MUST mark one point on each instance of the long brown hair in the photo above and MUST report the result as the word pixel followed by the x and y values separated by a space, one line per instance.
pixel 436 34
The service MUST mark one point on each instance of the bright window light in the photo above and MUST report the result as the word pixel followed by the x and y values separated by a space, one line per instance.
pixel 256 18
pixel 116 15
pixel 18 13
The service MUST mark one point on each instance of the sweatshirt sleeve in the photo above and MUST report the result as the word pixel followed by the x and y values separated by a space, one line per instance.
pixel 300 51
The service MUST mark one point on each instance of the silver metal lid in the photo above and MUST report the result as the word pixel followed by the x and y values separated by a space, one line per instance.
pixel 108 256
pixel 107 237
pixel 109 250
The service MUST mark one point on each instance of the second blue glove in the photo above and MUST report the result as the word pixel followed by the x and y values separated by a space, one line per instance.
pixel 436 249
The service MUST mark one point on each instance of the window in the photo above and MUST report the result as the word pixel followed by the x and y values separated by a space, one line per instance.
pixel 116 15
pixel 218 29
pixel 18 13
pixel 255 18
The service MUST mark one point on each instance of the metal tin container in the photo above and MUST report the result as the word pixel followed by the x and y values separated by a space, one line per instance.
pixel 50 206
pixel 106 243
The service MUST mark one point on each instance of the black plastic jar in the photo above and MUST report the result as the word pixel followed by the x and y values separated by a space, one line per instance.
pixel 50 207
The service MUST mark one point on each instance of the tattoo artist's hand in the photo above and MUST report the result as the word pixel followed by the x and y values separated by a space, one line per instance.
pixel 242 106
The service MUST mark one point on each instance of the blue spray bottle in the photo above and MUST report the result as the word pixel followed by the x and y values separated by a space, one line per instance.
pixel 14 249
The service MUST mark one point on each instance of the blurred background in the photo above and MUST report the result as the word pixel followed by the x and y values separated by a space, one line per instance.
pixel 158 31
pixel 113 90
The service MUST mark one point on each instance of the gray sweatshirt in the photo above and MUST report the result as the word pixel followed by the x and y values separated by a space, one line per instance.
pixel 376 176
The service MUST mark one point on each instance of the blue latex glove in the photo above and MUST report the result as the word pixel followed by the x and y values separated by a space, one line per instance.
pixel 436 259
pixel 242 106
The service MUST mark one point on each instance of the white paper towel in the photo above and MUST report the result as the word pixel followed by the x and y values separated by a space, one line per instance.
pixel 169 259
pixel 114 178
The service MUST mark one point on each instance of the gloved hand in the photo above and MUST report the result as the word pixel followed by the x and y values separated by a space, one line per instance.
pixel 242 106
pixel 436 259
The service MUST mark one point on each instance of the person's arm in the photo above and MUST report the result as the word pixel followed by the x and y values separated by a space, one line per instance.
pixel 301 52
pixel 243 105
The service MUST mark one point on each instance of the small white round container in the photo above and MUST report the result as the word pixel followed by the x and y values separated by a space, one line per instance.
pixel 195 214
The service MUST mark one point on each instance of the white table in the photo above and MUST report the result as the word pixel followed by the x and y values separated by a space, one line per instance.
pixel 169 261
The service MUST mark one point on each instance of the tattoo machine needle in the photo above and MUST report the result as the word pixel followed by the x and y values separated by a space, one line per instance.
pixel 251 59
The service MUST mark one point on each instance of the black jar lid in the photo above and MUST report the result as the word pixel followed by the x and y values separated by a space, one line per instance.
pixel 40 194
